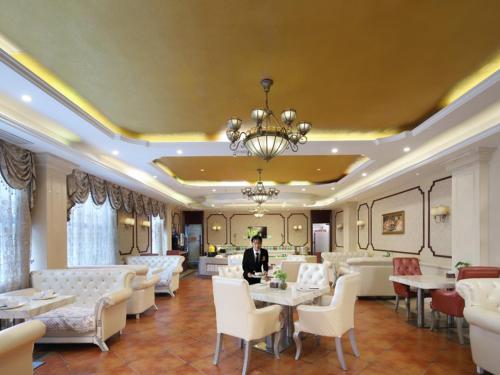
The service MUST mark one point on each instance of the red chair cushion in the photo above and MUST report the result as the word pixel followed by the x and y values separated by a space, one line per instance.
pixel 405 266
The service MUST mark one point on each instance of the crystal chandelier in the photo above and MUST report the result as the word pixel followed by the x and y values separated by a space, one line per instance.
pixel 259 211
pixel 270 137
pixel 259 194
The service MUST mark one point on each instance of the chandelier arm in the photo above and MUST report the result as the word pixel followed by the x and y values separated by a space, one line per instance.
pixel 293 147
pixel 303 140
pixel 233 146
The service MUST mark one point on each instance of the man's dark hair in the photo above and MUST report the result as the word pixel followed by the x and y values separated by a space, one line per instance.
pixel 257 238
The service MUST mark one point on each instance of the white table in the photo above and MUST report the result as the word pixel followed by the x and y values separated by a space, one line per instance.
pixel 288 298
pixel 422 283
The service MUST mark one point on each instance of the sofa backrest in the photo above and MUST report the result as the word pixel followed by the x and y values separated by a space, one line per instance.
pixel 169 263
pixel 88 285
pixel 235 260
pixel 140 270
pixel 484 293
pixel 231 272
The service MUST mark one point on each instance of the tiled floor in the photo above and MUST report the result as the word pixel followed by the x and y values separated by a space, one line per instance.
pixel 179 339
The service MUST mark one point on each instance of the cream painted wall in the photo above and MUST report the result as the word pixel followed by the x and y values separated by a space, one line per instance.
pixel 363 232
pixel 234 226
pixel 494 209
pixel 339 232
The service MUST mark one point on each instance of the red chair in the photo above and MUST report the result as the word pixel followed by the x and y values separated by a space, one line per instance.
pixel 450 303
pixel 405 267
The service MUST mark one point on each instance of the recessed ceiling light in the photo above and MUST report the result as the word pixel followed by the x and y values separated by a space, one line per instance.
pixel 115 152
pixel 318 169
pixel 202 170
pixel 214 190
pixel 406 149
pixel 364 174
pixel 332 188
pixel 26 98
pixel 303 189
pixel 155 176
pixel 335 150
pixel 179 152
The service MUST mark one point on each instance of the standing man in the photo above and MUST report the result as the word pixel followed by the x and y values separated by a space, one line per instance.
pixel 255 259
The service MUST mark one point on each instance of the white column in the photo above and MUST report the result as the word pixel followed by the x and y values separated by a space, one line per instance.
pixel 168 226
pixel 350 229
pixel 470 206
pixel 49 225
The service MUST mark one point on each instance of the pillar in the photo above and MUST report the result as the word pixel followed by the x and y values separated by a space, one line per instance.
pixel 350 229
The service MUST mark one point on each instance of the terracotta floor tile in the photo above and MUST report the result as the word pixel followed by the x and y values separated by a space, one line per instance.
pixel 156 365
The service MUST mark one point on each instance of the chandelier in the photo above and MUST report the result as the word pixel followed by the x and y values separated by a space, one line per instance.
pixel 259 211
pixel 270 137
pixel 259 194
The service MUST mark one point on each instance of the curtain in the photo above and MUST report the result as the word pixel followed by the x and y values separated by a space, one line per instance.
pixel 92 234
pixel 15 237
pixel 159 236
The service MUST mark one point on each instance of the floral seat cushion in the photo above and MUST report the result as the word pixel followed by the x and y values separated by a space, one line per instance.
pixel 70 318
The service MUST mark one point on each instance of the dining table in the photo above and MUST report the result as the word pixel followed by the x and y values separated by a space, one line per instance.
pixel 423 283
pixel 288 298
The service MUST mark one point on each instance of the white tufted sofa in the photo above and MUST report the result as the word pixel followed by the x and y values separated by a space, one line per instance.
pixel 334 259
pixel 235 260
pixel 374 275
pixel 231 272
pixel 143 286
pixel 313 275
pixel 100 309
pixel 482 311
pixel 171 266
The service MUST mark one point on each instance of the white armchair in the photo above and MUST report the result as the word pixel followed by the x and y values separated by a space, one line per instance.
pixel 334 259
pixel 333 318
pixel 232 299
pixel 482 311
pixel 235 260
pixel 16 347
pixel 231 272
pixel 313 275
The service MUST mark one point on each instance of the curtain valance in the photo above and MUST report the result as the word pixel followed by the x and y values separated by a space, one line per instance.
pixel 80 185
pixel 17 167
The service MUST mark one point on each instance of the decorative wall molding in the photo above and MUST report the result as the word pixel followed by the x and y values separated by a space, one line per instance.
pixel 207 228
pixel 176 221
pixel 417 252
pixel 335 217
pixel 368 226
pixel 429 245
pixel 148 248
pixel 271 214
pixel 305 227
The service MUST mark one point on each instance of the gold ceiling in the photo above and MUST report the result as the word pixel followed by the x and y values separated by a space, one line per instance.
pixel 183 67
pixel 284 169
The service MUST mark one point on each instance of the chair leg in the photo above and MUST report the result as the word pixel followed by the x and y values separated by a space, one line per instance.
pixel 460 322
pixel 218 347
pixel 276 344
pixel 397 303
pixel 246 359
pixel 479 370
pixel 352 339
pixel 408 312
pixel 155 307
pixel 318 340
pixel 298 344
pixel 434 320
pixel 138 316
pixel 340 353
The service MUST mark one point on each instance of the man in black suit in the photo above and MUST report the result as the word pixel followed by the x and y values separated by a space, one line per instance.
pixel 255 259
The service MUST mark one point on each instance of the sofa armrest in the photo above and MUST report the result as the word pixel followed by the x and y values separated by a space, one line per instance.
pixel 14 337
pixel 146 283
pixel 116 297
pixel 486 319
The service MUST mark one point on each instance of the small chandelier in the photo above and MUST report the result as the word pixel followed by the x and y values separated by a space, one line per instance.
pixel 270 137
pixel 259 194
pixel 259 211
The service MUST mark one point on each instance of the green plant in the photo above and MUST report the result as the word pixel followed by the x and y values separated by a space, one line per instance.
pixel 387 254
pixel 280 275
pixel 462 264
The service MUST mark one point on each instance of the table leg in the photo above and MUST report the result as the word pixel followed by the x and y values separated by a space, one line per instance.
pixel 420 308
pixel 286 333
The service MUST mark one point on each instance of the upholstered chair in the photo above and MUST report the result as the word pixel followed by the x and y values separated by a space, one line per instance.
pixel 482 311
pixel 313 275
pixel 450 303
pixel 333 318
pixel 16 347
pixel 237 316
pixel 405 266
pixel 235 260
pixel 291 268
pixel 231 272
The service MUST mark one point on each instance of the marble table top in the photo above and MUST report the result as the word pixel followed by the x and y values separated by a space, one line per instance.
pixel 288 297
pixel 425 281
pixel 32 307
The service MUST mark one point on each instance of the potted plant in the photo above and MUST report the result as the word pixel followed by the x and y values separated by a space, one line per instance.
pixel 461 264
pixel 281 276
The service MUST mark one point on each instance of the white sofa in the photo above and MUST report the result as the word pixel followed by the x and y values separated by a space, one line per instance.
pixel 374 273
pixel 482 312
pixel 100 309
pixel 231 272
pixel 169 277
pixel 143 286
pixel 16 347
pixel 334 259
pixel 235 260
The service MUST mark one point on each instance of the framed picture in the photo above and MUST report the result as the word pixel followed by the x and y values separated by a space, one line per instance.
pixel 393 223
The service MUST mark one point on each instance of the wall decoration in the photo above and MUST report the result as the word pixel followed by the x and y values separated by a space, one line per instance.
pixel 442 231
pixel 239 223
pixel 218 236
pixel 364 231
pixel 339 236
pixel 257 231
pixel 393 223
pixel 299 237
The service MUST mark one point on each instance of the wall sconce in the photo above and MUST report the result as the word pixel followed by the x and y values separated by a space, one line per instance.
pixel 216 228
pixel 128 222
pixel 297 227
pixel 360 223
pixel 440 213
pixel 340 226
pixel 146 223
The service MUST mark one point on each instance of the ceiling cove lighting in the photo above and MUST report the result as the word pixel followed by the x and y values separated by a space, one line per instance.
pixel 115 152
pixel 406 149
pixel 270 137
pixel 179 152
pixel 259 194
pixel 26 98
pixel 335 150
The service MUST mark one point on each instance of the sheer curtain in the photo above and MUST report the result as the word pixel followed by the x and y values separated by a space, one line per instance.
pixel 92 234
pixel 159 235
pixel 15 237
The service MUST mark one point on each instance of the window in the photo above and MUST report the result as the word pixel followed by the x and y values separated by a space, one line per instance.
pixel 92 234
pixel 15 237
pixel 159 235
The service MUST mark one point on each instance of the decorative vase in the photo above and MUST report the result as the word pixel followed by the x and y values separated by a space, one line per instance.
pixel 283 285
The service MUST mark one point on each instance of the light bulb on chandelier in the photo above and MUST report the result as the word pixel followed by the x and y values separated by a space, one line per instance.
pixel 259 194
